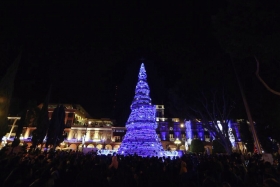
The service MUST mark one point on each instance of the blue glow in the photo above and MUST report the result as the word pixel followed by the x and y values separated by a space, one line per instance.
pixel 141 137
pixel 200 131
pixel 189 134
pixel 237 133
pixel 233 132
pixel 230 134
pixel 177 134
pixel 163 135
pixel 212 133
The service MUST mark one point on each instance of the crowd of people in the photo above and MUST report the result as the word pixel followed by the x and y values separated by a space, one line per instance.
pixel 73 168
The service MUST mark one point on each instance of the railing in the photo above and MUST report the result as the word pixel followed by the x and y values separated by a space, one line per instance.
pixel 82 125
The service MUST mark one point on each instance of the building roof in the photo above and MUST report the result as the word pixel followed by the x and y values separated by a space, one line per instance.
pixel 75 107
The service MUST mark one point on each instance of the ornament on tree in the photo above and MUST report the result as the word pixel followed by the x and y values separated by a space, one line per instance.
pixel 141 137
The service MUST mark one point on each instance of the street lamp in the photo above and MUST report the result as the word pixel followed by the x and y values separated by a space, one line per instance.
pixel 177 142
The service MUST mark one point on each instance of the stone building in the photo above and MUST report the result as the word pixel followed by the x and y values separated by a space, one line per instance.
pixel 81 129
pixel 176 133
pixel 84 131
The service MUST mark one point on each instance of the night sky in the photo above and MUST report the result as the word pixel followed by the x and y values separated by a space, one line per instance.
pixel 86 51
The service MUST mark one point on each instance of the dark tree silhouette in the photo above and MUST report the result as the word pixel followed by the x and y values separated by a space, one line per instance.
pixel 55 133
pixel 218 147
pixel 246 30
pixel 246 135
pixel 197 146
pixel 6 91
pixel 32 113
pixel 40 132
pixel 214 109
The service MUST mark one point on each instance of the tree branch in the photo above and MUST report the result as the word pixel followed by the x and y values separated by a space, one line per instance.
pixel 262 81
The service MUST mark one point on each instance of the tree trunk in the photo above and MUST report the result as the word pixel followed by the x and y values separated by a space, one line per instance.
pixel 256 140
pixel 262 81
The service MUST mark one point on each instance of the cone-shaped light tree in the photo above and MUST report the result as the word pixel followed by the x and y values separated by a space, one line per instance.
pixel 141 137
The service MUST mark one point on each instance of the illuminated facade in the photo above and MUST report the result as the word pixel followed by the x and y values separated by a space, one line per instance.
pixel 194 130
pixel 80 128
pixel 147 133
pixel 171 129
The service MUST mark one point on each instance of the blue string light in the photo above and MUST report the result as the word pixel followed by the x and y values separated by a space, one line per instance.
pixel 141 137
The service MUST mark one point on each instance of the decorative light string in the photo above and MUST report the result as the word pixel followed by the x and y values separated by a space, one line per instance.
pixel 141 137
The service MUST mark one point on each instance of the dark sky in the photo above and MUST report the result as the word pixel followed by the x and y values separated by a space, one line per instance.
pixel 86 50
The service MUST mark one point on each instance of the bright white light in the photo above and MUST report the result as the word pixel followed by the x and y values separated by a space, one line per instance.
pixel 186 146
pixel 189 141
pixel 177 141
pixel 220 125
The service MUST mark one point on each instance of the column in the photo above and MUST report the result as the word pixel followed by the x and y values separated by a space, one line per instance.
pixel 70 135
pixel 27 133
pixel 79 137
pixel 87 135
pixel 189 134
pixel 96 136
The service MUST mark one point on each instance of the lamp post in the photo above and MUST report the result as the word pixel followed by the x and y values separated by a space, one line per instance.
pixel 177 142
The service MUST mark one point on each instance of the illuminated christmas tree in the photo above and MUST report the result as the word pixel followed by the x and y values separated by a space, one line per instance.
pixel 141 137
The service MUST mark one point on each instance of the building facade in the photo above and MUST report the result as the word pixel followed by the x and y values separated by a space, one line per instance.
pixel 176 133
pixel 84 131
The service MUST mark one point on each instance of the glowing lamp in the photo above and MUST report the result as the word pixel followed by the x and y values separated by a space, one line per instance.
pixel 177 141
